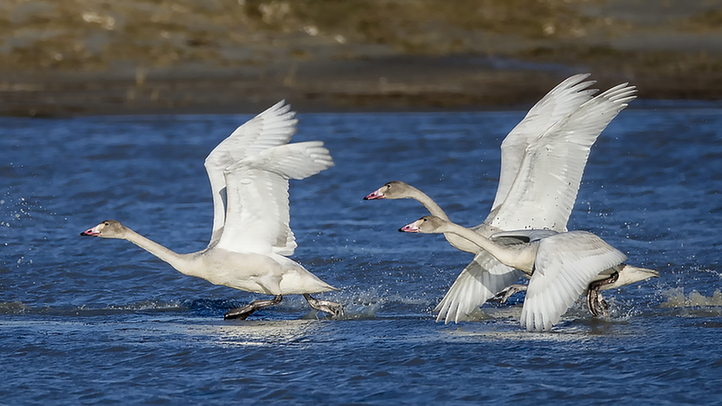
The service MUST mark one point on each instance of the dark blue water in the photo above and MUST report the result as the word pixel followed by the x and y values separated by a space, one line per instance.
pixel 91 321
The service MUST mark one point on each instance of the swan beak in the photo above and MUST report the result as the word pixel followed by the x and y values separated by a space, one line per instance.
pixel 410 228
pixel 92 232
pixel 374 195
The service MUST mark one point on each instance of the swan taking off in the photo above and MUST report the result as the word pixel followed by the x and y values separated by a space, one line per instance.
pixel 249 173
pixel 561 265
pixel 542 162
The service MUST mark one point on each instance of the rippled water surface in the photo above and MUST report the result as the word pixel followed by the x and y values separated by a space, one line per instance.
pixel 90 321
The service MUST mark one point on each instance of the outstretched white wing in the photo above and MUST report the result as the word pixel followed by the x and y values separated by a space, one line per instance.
pixel 543 193
pixel 557 104
pixel 565 265
pixel 486 276
pixel 273 127
pixel 257 218
pixel 555 137
pixel 480 281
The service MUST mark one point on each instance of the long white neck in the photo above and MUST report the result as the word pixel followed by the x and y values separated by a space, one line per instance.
pixel 428 202
pixel 520 256
pixel 181 262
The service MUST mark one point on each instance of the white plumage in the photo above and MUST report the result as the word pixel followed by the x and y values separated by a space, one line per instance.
pixel 544 190
pixel 561 265
pixel 275 126
pixel 547 180
pixel 249 173
pixel 542 162
pixel 258 210
pixel 554 106
pixel 564 266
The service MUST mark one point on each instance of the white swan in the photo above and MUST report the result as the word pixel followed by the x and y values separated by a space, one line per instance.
pixel 249 173
pixel 561 265
pixel 543 159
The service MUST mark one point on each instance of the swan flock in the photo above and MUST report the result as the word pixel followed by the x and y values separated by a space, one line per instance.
pixel 524 236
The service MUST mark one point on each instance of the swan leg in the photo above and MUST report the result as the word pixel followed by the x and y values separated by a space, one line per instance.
pixel 505 294
pixel 243 312
pixel 595 302
pixel 332 308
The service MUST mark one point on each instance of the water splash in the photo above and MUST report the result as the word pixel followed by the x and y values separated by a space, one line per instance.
pixel 675 298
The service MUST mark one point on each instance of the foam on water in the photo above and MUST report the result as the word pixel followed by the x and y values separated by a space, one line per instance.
pixel 675 298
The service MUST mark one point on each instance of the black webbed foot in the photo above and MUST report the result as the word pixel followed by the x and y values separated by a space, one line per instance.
pixel 332 308
pixel 241 313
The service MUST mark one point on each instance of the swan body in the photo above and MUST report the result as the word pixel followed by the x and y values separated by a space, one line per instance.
pixel 252 272
pixel 561 265
pixel 249 173
pixel 542 163
pixel 612 278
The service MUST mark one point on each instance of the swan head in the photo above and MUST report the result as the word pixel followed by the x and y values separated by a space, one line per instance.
pixel 106 229
pixel 425 225
pixel 392 190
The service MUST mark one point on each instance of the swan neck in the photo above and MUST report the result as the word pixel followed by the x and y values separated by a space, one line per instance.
pixel 177 261
pixel 428 202
pixel 516 256
pixel 483 242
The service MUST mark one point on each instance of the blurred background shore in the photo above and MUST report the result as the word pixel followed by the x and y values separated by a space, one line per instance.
pixel 86 57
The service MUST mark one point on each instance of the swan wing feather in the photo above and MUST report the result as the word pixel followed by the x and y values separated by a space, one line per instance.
pixel 554 106
pixel 545 189
pixel 275 126
pixel 257 218
pixel 480 281
pixel 565 265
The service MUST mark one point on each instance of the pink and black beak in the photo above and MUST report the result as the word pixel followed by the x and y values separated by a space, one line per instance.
pixel 410 228
pixel 375 195
pixel 92 232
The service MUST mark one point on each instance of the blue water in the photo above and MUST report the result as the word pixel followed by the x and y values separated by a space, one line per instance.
pixel 91 321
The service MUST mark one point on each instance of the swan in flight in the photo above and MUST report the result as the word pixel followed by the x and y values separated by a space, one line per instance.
pixel 561 265
pixel 542 162
pixel 251 239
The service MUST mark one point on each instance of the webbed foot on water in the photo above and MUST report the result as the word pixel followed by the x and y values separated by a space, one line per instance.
pixel 332 308
pixel 242 313
pixel 505 294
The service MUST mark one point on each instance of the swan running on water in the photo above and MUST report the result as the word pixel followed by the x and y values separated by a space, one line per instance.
pixel 249 173
pixel 561 265
pixel 542 162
